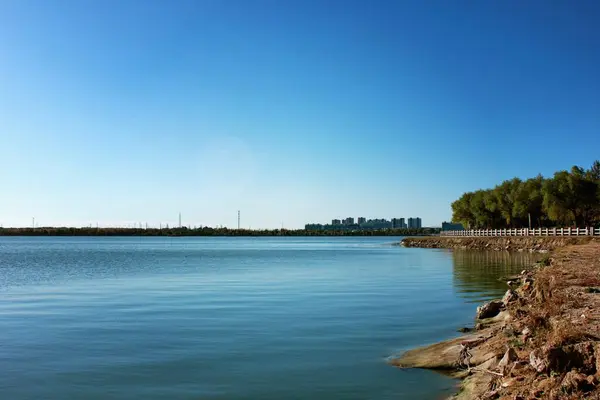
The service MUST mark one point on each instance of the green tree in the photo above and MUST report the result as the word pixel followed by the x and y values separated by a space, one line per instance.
pixel 506 196
pixel 529 202
pixel 571 197
pixel 461 210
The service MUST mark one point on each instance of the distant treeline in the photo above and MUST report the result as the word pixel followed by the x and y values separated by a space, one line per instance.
pixel 206 231
pixel 569 198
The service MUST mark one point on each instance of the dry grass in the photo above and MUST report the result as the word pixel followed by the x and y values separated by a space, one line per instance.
pixel 561 311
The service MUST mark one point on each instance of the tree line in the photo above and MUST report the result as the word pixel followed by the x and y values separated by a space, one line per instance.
pixel 206 231
pixel 569 198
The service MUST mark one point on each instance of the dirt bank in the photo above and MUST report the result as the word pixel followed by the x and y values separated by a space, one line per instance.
pixel 532 244
pixel 543 344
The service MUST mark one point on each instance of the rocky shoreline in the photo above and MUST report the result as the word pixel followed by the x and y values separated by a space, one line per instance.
pixel 541 341
pixel 520 243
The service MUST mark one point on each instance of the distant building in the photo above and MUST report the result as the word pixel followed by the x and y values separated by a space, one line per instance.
pixel 403 223
pixel 414 223
pixel 376 224
pixel 451 226
pixel 361 220
pixel 398 223
pixel 313 227
pixel 336 222
pixel 348 221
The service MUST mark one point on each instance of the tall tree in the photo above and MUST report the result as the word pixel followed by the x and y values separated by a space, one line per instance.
pixel 529 203
pixel 569 197
pixel 506 195
pixel 461 210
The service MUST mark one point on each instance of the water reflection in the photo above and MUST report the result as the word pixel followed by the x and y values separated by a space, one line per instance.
pixel 476 273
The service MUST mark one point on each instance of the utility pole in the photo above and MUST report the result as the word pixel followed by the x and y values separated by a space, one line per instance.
pixel 238 220
pixel 180 220
pixel 529 215
pixel 33 223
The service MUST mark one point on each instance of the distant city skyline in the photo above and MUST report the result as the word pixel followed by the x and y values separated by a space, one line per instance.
pixel 371 223
pixel 118 113
pixel 180 221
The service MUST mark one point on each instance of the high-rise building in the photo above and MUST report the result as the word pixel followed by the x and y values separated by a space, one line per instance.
pixel 361 220
pixel 414 223
pixel 348 221
pixel 397 223
pixel 336 222
pixel 403 223
pixel 377 224
pixel 313 227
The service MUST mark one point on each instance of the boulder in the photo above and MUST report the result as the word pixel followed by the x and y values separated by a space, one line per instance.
pixel 489 309
pixel 509 296
pixel 539 363
pixel 507 361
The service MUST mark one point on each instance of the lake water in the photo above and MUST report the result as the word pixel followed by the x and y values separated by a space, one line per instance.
pixel 231 318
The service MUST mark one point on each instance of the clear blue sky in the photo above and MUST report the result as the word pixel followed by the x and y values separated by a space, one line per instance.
pixel 291 111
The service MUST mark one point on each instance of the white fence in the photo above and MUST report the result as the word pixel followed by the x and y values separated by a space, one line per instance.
pixel 525 232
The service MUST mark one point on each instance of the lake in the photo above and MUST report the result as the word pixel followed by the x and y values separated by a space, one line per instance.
pixel 231 318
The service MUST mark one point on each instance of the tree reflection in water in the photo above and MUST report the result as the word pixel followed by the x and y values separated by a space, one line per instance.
pixel 477 273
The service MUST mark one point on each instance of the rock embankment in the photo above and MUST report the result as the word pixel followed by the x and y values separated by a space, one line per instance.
pixel 541 342
pixel 531 244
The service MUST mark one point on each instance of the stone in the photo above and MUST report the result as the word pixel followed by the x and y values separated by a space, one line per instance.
pixel 538 363
pixel 465 329
pixel 489 309
pixel 509 296
pixel 507 361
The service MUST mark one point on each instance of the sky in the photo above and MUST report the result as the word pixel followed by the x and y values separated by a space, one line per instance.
pixel 118 112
